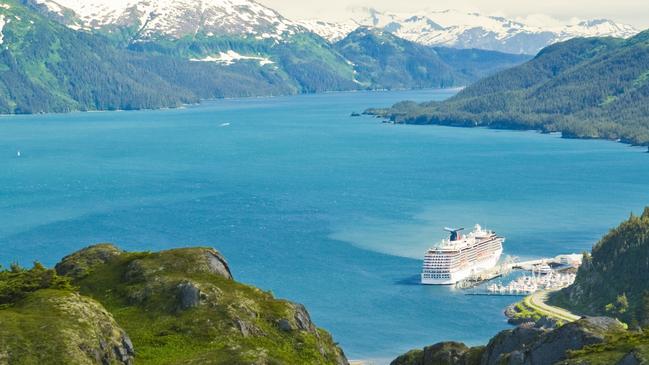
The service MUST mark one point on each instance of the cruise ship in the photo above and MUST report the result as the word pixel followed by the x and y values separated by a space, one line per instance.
pixel 461 256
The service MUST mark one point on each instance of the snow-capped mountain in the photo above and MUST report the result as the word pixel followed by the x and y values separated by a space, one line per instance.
pixel 333 32
pixel 175 18
pixel 149 19
pixel 472 30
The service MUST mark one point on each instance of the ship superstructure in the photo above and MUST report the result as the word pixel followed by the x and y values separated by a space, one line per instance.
pixel 461 256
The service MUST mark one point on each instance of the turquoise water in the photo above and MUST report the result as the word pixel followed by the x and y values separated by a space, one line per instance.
pixel 331 211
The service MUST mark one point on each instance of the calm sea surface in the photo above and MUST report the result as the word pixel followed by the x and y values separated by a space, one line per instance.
pixel 331 211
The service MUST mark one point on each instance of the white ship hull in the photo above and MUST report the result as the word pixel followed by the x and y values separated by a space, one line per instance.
pixel 465 272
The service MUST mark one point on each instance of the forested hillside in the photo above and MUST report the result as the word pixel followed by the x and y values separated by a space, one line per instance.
pixel 613 280
pixel 46 67
pixel 384 61
pixel 584 88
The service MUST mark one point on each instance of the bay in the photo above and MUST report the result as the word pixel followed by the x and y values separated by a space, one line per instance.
pixel 320 208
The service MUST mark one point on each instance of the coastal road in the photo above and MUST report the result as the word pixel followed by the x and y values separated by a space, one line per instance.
pixel 537 301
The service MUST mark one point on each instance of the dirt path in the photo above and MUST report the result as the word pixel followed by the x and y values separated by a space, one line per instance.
pixel 537 301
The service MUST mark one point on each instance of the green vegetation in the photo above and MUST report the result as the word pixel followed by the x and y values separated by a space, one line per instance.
pixel 17 283
pixel 524 313
pixel 584 88
pixel 45 67
pixel 177 306
pixel 182 306
pixel 618 347
pixel 382 60
pixel 43 320
pixel 613 280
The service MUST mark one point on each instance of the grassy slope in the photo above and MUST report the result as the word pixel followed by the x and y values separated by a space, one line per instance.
pixel 44 320
pixel 55 327
pixel 613 350
pixel 140 289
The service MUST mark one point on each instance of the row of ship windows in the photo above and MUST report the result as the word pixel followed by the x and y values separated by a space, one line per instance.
pixel 437 276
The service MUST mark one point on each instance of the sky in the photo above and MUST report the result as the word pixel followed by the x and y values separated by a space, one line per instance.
pixel 634 12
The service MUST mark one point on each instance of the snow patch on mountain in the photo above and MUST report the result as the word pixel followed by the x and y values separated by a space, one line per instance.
pixel 332 32
pixel 2 26
pixel 177 18
pixel 230 57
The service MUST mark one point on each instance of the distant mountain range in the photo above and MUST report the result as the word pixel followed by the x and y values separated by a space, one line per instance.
pixel 90 55
pixel 148 19
pixel 62 55
pixel 458 29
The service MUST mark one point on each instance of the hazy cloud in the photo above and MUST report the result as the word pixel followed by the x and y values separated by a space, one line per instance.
pixel 634 12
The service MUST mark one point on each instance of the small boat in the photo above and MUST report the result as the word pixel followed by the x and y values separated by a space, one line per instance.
pixel 225 125
pixel 18 153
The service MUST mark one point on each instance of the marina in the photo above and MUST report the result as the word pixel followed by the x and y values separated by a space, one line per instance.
pixel 546 274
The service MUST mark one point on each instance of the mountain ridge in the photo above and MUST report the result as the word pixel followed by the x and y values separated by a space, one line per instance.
pixel 456 29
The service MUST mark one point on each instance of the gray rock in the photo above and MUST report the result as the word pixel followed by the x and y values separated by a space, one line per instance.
pixel 516 358
pixel 303 319
pixel 284 325
pixel 188 295
pixel 128 344
pixel 217 263
pixel 443 353
pixel 630 359
pixel 518 339
pixel 247 329
pixel 552 346
pixel 79 264
pixel 134 271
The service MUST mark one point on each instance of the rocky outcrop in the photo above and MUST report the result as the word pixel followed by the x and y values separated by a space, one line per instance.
pixel 61 327
pixel 216 263
pixel 552 346
pixel 443 353
pixel 506 342
pixel 299 321
pixel 79 264
pixel 189 295
pixel 632 358
pixel 527 344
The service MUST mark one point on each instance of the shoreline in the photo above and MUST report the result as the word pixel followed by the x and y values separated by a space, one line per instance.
pixel 202 101
pixel 387 119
